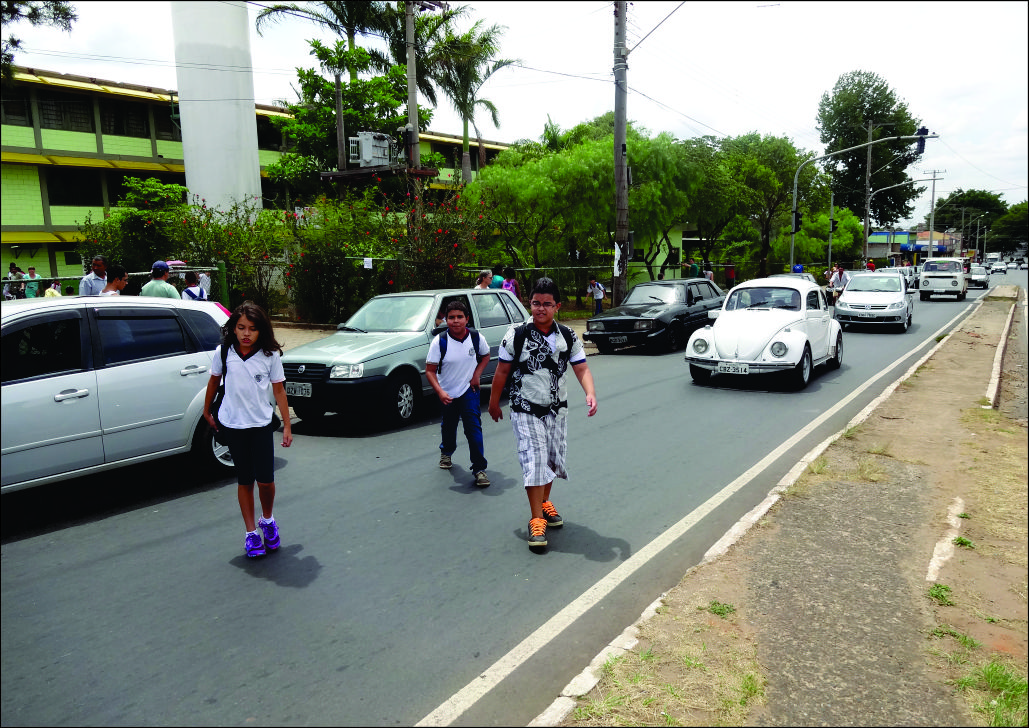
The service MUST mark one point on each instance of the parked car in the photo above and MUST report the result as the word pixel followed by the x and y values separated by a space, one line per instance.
pixel 1012 266
pixel 657 314
pixel 999 267
pixel 768 325
pixel 979 277
pixel 944 276
pixel 95 383
pixel 376 360
pixel 880 297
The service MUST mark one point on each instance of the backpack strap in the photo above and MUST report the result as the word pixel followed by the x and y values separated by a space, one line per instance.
pixel 442 351
pixel 191 294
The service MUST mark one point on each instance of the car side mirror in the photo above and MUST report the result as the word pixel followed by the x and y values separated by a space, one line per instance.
pixel 713 313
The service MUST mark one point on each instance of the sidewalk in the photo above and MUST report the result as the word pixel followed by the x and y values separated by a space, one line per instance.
pixel 829 577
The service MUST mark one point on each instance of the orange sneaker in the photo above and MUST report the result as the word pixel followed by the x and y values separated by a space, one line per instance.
pixel 551 515
pixel 537 533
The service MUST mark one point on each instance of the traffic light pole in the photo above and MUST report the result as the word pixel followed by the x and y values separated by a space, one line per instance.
pixel 796 177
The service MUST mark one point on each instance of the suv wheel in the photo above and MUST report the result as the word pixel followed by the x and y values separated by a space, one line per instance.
pixel 207 452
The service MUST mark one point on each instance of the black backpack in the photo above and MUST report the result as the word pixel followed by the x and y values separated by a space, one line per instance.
pixel 519 341
pixel 443 347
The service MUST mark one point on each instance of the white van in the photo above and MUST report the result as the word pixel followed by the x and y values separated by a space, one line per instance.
pixel 943 276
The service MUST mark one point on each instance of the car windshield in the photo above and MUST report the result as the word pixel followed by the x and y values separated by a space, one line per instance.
pixel 765 297
pixel 392 313
pixel 875 284
pixel 978 270
pixel 653 294
pixel 944 266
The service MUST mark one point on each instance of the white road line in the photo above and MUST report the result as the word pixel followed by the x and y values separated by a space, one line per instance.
pixel 452 708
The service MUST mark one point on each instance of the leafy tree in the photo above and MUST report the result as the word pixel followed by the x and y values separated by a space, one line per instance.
pixel 44 12
pixel 765 167
pixel 959 209
pixel 718 196
pixel 858 99
pixel 467 63
pixel 1010 232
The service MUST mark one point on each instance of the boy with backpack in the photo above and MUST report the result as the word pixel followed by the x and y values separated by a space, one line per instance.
pixel 456 360
pixel 537 356
pixel 597 290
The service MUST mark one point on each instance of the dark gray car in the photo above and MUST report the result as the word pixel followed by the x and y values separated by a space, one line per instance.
pixel 658 314
pixel 375 362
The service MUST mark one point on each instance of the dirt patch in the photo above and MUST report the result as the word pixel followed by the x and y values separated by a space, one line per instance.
pixel 928 444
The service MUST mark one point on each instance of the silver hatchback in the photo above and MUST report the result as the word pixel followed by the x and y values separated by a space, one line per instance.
pixel 94 383
pixel 375 362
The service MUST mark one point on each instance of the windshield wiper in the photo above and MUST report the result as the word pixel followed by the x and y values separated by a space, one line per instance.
pixel 344 327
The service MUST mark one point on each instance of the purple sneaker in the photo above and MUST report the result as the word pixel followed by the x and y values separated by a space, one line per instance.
pixel 253 545
pixel 271 534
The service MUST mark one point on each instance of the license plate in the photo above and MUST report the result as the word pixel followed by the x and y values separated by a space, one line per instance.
pixel 866 315
pixel 618 339
pixel 729 368
pixel 298 389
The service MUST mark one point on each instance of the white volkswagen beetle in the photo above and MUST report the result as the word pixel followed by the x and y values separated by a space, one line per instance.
pixel 768 325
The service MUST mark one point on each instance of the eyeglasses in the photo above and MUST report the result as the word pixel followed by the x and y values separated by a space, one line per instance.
pixel 542 304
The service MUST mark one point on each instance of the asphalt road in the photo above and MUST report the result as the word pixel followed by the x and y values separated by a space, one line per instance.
pixel 126 599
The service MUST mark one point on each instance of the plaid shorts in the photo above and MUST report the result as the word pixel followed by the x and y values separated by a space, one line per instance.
pixel 542 446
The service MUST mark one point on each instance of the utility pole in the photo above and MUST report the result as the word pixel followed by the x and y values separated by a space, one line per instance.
pixel 868 183
pixel 415 153
pixel 932 209
pixel 620 282
pixel 832 226
pixel 341 139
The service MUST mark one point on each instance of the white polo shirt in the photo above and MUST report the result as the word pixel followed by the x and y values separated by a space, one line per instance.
pixel 248 387
pixel 455 376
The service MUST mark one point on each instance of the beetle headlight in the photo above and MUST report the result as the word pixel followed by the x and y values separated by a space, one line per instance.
pixel 347 371
pixel 643 324
pixel 594 325
pixel 700 346
pixel 779 349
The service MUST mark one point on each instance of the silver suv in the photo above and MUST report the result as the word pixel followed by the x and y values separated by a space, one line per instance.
pixel 375 362
pixel 94 383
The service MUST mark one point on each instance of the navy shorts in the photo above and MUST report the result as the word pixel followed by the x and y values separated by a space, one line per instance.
pixel 253 454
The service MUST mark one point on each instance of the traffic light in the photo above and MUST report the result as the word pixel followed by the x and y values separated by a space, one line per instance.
pixel 922 132
pixel 832 226
pixel 797 218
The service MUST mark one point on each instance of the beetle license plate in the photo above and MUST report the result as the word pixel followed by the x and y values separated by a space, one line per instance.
pixel 618 339
pixel 730 368
pixel 298 389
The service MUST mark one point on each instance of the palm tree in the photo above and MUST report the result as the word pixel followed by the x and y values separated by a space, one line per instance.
pixel 430 30
pixel 466 63
pixel 346 18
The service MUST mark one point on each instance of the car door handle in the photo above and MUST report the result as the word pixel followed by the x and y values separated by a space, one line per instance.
pixel 193 369
pixel 71 394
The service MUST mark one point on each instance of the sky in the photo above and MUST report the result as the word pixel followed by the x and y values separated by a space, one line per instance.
pixel 698 68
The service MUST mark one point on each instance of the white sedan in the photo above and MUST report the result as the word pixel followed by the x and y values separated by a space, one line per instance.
pixel 877 297
pixel 768 325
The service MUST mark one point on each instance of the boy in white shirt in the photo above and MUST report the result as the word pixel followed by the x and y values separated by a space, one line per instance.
pixel 454 376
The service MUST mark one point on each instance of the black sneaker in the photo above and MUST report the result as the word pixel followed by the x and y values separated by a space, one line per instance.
pixel 537 533
pixel 551 516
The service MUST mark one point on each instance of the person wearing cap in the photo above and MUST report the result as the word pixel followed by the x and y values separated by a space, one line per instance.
pixel 159 287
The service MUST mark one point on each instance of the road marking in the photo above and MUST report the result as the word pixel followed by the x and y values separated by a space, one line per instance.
pixel 452 708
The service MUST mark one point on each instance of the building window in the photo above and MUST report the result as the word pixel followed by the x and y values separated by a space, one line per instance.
pixel 268 137
pixel 124 118
pixel 166 129
pixel 68 112
pixel 71 257
pixel 116 182
pixel 74 186
pixel 15 109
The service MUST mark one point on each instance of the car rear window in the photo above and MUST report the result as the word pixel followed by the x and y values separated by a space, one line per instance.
pixel 48 347
pixel 126 339
pixel 207 332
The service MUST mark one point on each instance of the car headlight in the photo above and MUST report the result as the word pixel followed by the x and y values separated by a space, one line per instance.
pixel 842 304
pixel 700 346
pixel 347 371
pixel 898 305
pixel 594 325
pixel 779 349
pixel 643 324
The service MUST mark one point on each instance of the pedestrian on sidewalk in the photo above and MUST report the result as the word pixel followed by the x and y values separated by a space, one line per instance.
pixel 453 366
pixel 117 279
pixel 597 290
pixel 249 366
pixel 537 356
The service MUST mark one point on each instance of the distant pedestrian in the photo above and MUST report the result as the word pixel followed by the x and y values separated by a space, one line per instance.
pixel 32 283
pixel 193 291
pixel 248 365
pixel 159 287
pixel 454 366
pixel 117 279
pixel 730 275
pixel 94 281
pixel 694 269
pixel 660 276
pixel 484 278
pixel 839 281
pixel 597 290
pixel 537 355
pixel 205 282
pixel 53 290
pixel 511 283
pixel 498 277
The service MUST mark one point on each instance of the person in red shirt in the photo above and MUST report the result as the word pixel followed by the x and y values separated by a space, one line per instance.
pixel 870 265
